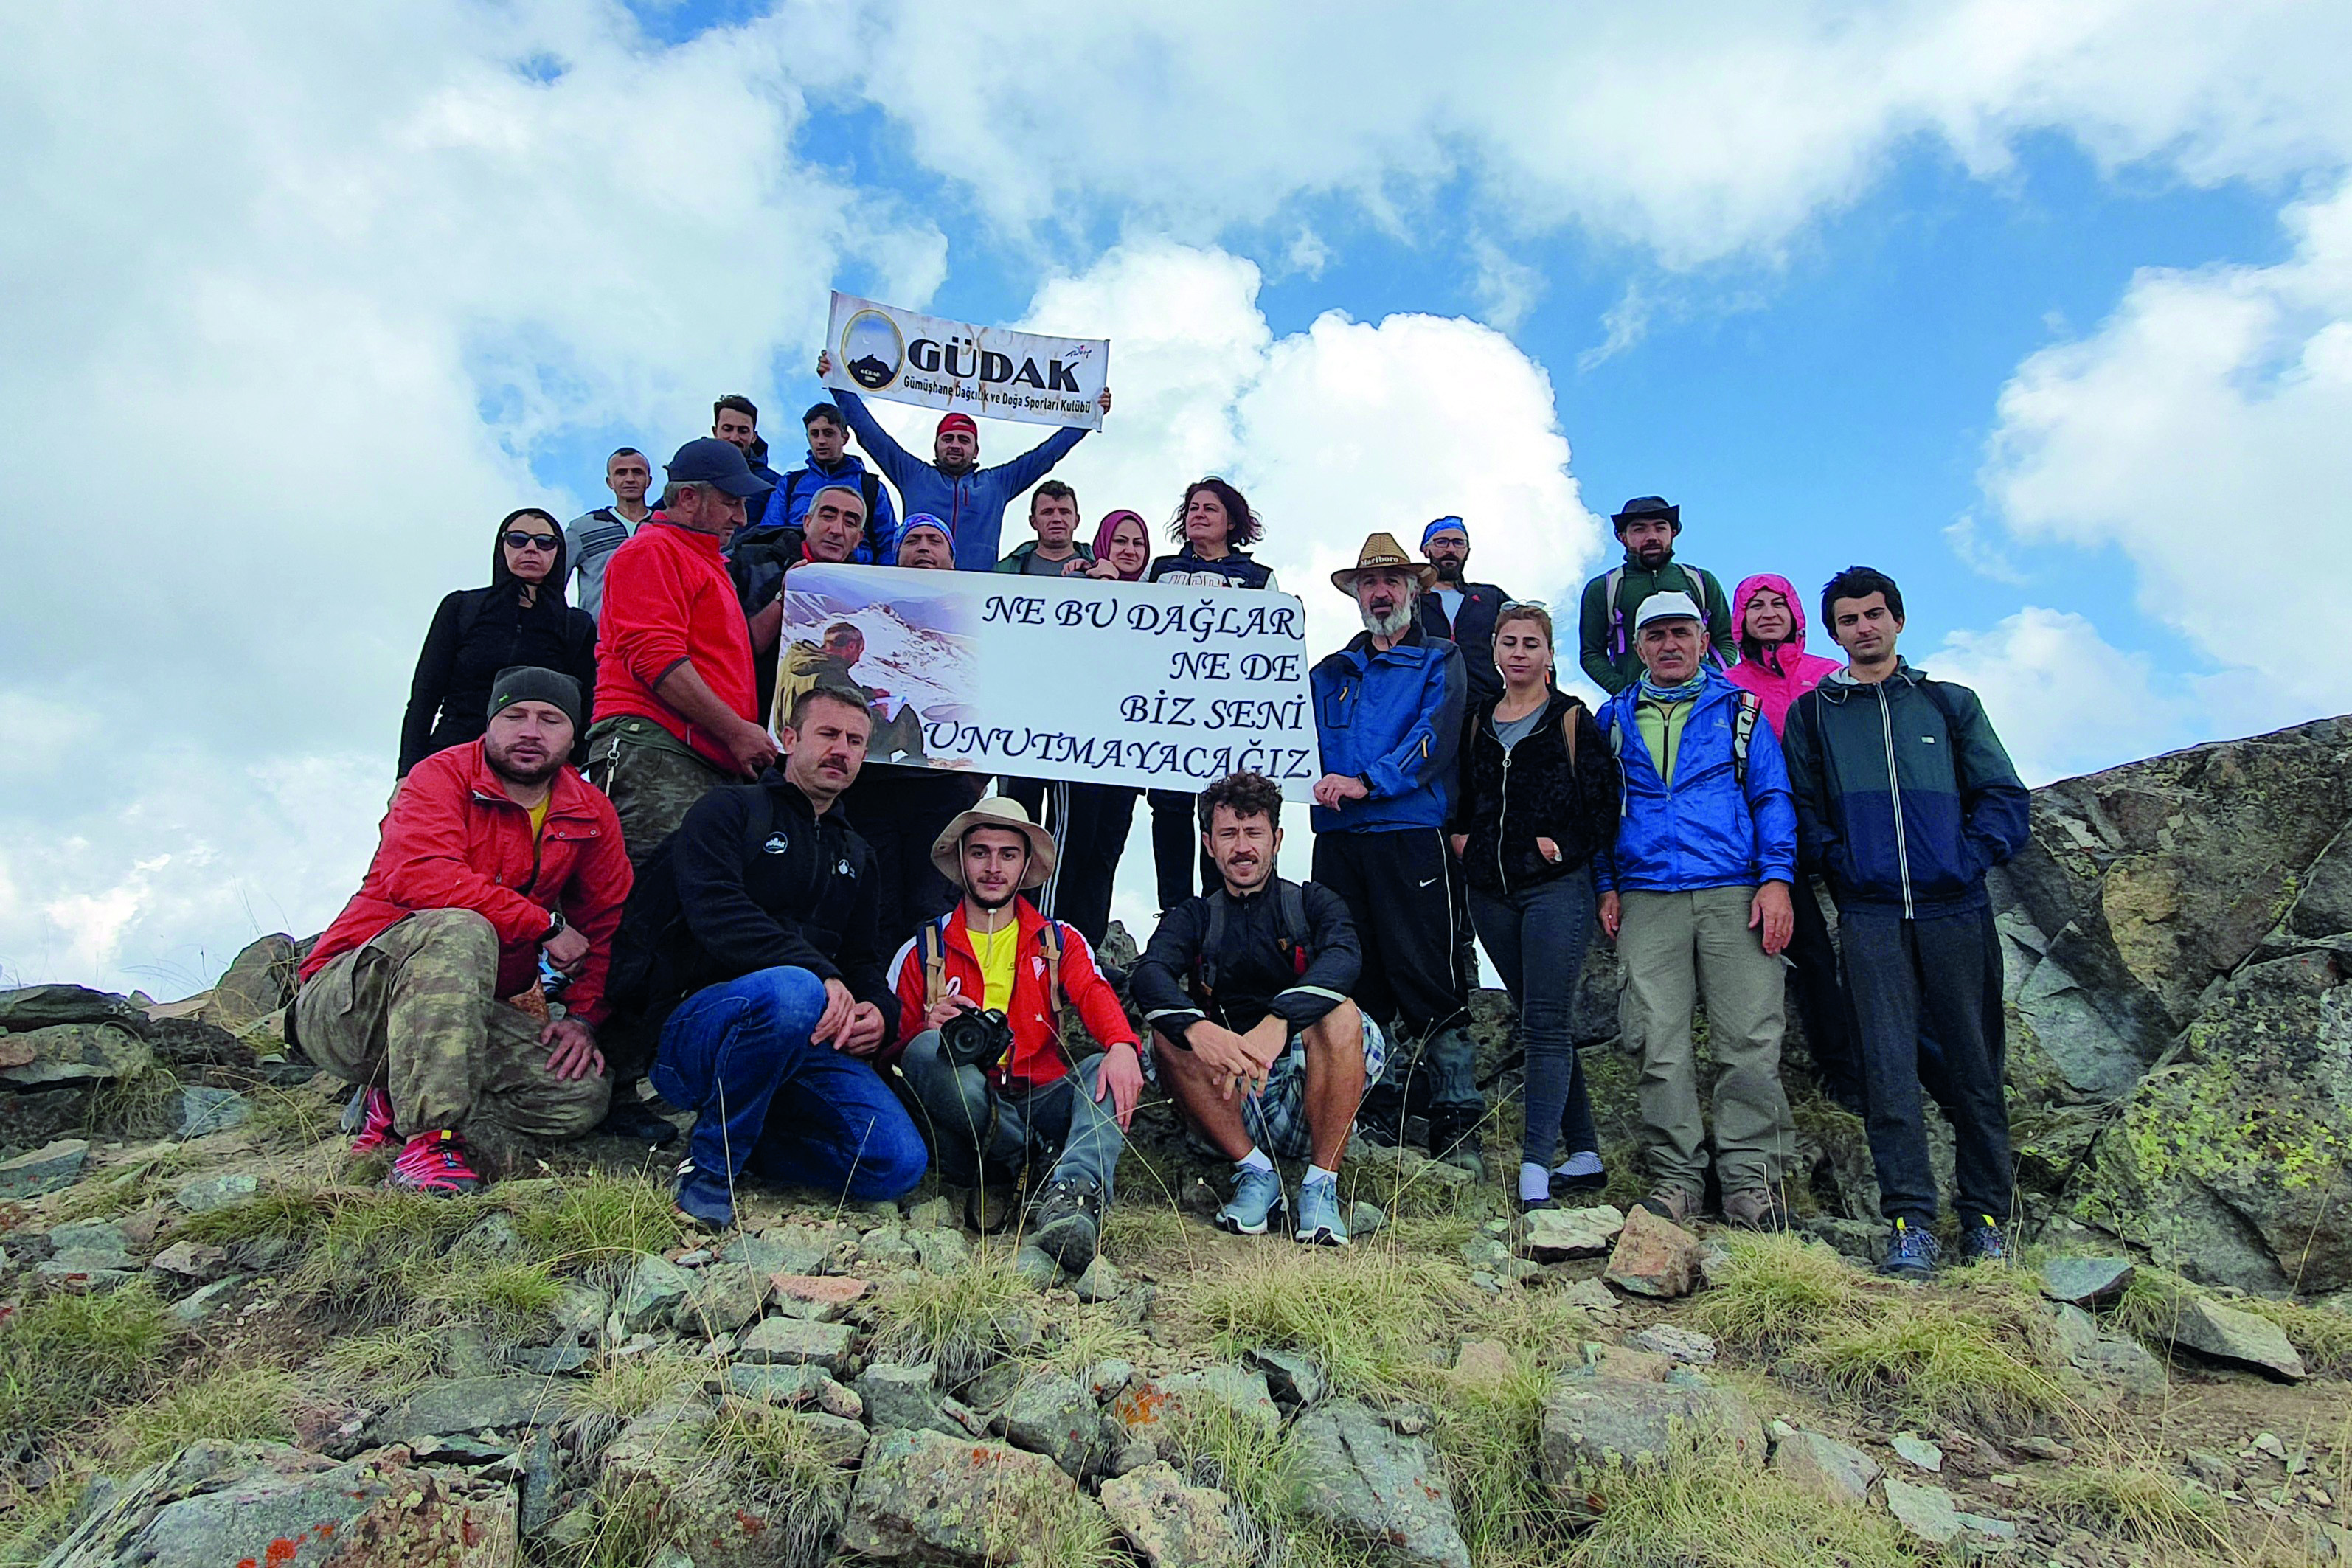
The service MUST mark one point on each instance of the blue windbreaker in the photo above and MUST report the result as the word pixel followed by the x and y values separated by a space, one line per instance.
pixel 972 504
pixel 1704 830
pixel 1393 720
pixel 788 504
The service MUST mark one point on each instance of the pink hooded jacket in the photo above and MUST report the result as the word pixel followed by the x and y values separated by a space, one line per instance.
pixel 1789 671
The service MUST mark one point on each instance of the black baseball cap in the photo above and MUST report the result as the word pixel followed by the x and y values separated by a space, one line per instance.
pixel 707 460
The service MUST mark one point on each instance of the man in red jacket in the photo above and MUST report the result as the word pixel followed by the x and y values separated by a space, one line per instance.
pixel 497 864
pixel 993 999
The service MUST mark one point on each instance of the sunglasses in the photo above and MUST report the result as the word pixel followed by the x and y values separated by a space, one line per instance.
pixel 1527 604
pixel 517 539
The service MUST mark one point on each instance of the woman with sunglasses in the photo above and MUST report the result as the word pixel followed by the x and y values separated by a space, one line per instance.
pixel 520 618
pixel 1539 798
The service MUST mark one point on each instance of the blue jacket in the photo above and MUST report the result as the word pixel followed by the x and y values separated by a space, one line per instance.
pixel 1708 829
pixel 1393 720
pixel 788 504
pixel 972 504
pixel 1905 795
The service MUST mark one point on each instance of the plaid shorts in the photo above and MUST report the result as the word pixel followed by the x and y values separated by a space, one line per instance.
pixel 1276 1116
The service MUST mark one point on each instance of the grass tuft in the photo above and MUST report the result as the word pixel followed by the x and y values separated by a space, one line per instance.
pixel 1943 1360
pixel 1489 1439
pixel 64 1358
pixel 960 1321
pixel 144 1105
pixel 596 1218
pixel 387 1363
pixel 2151 1306
pixel 2138 1503
pixel 233 1405
pixel 772 1460
pixel 1779 1290
pixel 1713 1510
pixel 1365 1315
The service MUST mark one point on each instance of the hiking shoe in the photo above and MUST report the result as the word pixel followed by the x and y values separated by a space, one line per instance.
pixel 703 1198
pixel 1319 1223
pixel 1755 1208
pixel 1454 1139
pixel 435 1163
pixel 1983 1243
pixel 1673 1204
pixel 1579 1172
pixel 1912 1253
pixel 632 1118
pixel 368 1118
pixel 1380 1124
pixel 1257 1203
pixel 1066 1220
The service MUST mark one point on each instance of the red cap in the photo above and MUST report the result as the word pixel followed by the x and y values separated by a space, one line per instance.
pixel 959 422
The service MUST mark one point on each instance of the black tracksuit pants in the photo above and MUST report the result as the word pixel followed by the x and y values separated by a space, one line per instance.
pixel 900 811
pixel 1399 894
pixel 1090 824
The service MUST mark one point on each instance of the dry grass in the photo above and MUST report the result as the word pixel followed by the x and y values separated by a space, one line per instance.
pixel 961 1322
pixel 1945 1361
pixel 233 1405
pixel 2138 1501
pixel 1782 1290
pixel 1712 1510
pixel 1370 1315
pixel 65 1358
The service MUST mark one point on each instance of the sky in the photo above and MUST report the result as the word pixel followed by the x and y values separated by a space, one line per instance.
pixel 2046 310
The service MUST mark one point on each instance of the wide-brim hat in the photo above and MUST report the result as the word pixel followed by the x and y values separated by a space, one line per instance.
pixel 1646 506
pixel 1382 550
pixel 994 811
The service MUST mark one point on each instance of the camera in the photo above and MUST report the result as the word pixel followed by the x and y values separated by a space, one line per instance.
pixel 977 1037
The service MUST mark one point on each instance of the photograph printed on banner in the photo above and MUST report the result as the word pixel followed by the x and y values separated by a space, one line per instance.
pixel 911 656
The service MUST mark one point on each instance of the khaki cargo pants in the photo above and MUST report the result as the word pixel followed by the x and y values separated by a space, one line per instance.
pixel 1678 949
pixel 416 1010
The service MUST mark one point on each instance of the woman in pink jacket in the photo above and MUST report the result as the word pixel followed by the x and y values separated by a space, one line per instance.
pixel 1770 620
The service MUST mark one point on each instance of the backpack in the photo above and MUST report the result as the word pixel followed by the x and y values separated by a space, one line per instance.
pixel 1618 644
pixel 931 947
pixel 1743 732
pixel 1293 939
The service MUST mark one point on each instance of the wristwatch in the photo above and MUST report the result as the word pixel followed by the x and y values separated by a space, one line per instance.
pixel 555 927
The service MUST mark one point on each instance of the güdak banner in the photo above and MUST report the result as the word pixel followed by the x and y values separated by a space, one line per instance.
pixel 1058 678
pixel 995 372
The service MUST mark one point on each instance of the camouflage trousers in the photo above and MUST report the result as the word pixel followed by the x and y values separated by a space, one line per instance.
pixel 416 1010
pixel 651 780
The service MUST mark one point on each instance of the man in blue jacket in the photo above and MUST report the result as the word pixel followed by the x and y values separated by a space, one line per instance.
pixel 1905 798
pixel 953 487
pixel 829 463
pixel 1388 716
pixel 1696 894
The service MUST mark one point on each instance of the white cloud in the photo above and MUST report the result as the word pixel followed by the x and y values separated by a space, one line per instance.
pixel 2062 700
pixel 2200 432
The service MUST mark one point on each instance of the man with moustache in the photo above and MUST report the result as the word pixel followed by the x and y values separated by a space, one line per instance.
pixel 496 864
pixel 1388 716
pixel 1648 528
pixel 832 530
pixel 1459 611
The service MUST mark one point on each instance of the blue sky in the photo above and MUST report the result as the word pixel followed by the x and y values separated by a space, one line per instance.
pixel 2047 310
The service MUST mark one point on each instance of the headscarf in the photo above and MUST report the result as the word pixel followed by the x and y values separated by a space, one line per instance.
pixel 1110 525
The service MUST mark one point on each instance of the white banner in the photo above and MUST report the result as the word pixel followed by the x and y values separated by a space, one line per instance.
pixel 1061 678
pixel 883 352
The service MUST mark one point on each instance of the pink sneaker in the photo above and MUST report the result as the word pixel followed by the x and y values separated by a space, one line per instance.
pixel 370 1117
pixel 433 1163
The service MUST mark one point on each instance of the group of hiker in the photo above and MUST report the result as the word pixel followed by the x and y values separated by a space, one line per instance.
pixel 610 871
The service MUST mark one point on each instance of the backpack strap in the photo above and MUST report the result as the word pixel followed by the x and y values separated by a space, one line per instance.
pixel 1568 730
pixel 1616 584
pixel 1212 943
pixel 1293 922
pixel 1743 730
pixel 935 964
pixel 1050 937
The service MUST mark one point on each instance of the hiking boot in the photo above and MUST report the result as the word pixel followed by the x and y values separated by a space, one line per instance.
pixel 1983 1243
pixel 1066 1220
pixel 435 1163
pixel 1579 1172
pixel 1380 1122
pixel 1319 1223
pixel 1673 1204
pixel 1755 1208
pixel 368 1118
pixel 633 1118
pixel 1454 1139
pixel 1257 1203
pixel 1912 1252
pixel 703 1198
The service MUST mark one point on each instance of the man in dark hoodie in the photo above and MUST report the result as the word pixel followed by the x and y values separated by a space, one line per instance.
pixel 1905 799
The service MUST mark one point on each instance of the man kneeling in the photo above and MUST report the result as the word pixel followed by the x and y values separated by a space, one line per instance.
pixel 769 938
pixel 983 991
pixel 498 863
pixel 1252 1028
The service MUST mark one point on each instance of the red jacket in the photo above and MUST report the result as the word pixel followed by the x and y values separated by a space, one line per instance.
pixel 1033 1059
pixel 454 840
pixel 669 599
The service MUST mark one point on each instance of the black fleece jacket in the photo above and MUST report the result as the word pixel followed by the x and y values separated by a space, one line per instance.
pixel 1506 802
pixel 1254 975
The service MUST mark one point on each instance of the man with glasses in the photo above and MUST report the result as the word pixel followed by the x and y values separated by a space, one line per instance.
pixel 1461 612
pixel 591 537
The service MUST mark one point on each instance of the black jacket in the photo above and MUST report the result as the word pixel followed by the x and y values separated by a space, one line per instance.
pixel 1471 631
pixel 802 896
pixel 477 633
pixel 1254 975
pixel 1508 800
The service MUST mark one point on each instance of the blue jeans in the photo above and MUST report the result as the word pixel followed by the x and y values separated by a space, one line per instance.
pixel 977 1128
pixel 740 1056
pixel 1537 938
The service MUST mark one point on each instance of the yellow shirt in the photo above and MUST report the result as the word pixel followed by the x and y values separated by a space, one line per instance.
pixel 538 815
pixel 996 952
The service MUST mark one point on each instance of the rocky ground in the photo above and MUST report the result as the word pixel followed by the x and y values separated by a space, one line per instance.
pixel 222 1342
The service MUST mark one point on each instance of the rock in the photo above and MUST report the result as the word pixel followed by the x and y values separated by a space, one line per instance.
pixel 794 1248
pixel 940 1251
pixel 73 1053
pixel 1552 1236
pixel 1056 1415
pixel 548 1361
pixel 209 1193
pixel 822 1297
pixel 192 1260
pixel 721 1299
pixel 1106 1378
pixel 884 1246
pixel 1917 1452
pixel 1364 1219
pixel 838 1441
pixel 933 1498
pixel 2085 1282
pixel 1374 1486
pixel 1621 1364
pixel 36 1008
pixel 476 1404
pixel 259 982
pixel 581 1309
pixel 933 1214
pixel 903 1396
pixel 204 1111
pixel 30 1118
pixel 2227 1334
pixel 1484 1364
pixel 1291 1377
pixel 1171 1524
pixel 651 1292
pixel 1653 1258
pixel 786 1386
pixel 1590 1426
pixel 199 1304
pixel 2213 1469
pixel 1590 1295
pixel 1034 1266
pixel 45 1169
pixel 541 1477
pixel 92 1238
pixel 2118 1361
pixel 797 1341
pixel 1100 1283
pixel 1926 1511
pixel 1825 1467
pixel 87 1273
pixel 1685 1345
pixel 1153 1409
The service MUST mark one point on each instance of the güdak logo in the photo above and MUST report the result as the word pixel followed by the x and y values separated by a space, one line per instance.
pixel 875 354
pixel 872 351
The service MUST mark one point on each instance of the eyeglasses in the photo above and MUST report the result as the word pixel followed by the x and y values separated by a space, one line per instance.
pixel 1527 604
pixel 517 539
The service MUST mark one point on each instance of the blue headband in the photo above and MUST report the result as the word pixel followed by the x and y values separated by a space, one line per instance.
pixel 1440 526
